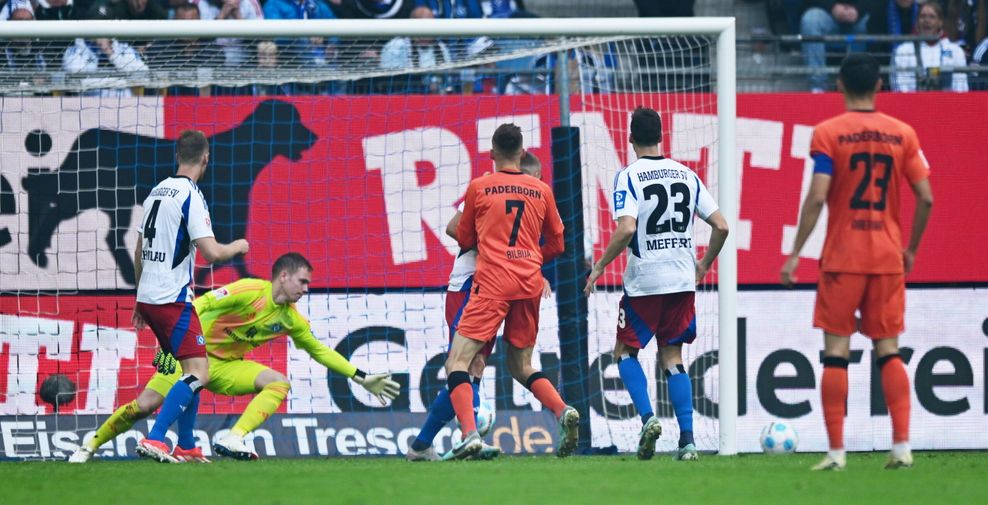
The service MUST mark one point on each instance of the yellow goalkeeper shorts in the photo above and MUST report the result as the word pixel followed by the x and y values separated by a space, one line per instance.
pixel 228 378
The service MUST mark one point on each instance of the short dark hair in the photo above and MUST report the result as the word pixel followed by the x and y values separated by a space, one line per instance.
pixel 859 73
pixel 289 262
pixel 507 140
pixel 937 8
pixel 530 163
pixel 646 127
pixel 190 147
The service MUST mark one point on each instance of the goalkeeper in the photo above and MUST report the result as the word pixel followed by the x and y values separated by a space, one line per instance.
pixel 235 319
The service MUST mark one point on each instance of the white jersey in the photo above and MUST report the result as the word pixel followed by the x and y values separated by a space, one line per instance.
pixel 663 195
pixel 464 266
pixel 175 216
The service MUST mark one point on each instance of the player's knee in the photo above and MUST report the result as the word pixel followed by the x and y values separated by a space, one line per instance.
pixel 147 402
pixel 194 382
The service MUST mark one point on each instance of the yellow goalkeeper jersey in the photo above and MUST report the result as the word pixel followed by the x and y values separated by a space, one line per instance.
pixel 243 315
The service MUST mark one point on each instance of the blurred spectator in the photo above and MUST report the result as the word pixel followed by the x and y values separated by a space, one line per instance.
pixel 297 9
pixel 103 55
pixel 129 9
pixel 827 17
pixel 187 60
pixel 961 21
pixel 234 51
pixel 56 10
pixel 406 53
pixel 372 9
pixel 979 81
pixel 893 17
pixel 665 8
pixel 21 55
pixel 933 57
pixel 784 15
pixel 445 9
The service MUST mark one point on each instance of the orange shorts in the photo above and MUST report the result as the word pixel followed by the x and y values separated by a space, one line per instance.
pixel 881 299
pixel 483 316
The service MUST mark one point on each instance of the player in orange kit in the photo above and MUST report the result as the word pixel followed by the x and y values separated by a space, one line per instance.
pixel 504 216
pixel 860 157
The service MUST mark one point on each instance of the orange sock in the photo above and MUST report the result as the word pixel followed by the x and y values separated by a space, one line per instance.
pixel 461 396
pixel 833 392
pixel 895 384
pixel 546 393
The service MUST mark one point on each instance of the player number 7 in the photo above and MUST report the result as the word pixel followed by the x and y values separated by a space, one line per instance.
pixel 508 206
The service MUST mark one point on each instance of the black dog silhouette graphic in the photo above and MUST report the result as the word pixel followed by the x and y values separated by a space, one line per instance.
pixel 112 171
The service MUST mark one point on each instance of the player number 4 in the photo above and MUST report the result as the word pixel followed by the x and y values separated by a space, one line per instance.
pixel 149 230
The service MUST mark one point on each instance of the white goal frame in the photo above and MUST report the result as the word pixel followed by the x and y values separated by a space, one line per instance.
pixel 726 86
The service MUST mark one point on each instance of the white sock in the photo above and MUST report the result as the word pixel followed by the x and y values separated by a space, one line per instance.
pixel 900 449
pixel 837 454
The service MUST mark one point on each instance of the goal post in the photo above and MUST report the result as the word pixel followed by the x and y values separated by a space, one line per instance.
pixel 609 65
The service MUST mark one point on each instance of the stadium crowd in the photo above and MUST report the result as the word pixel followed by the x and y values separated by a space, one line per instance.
pixel 955 32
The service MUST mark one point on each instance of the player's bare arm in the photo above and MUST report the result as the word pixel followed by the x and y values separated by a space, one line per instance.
pixel 453 223
pixel 626 228
pixel 718 236
pixel 808 216
pixel 214 252
pixel 136 318
pixel 924 204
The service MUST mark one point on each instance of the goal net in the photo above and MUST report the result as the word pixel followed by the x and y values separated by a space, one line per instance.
pixel 351 143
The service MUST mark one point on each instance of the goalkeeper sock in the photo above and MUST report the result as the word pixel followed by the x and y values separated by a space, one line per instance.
pixel 261 407
pixel 461 396
pixel 545 392
pixel 681 397
pixel 187 424
pixel 895 385
pixel 634 380
pixel 178 398
pixel 833 392
pixel 121 420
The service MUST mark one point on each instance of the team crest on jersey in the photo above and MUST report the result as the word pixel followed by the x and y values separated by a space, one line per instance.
pixel 276 328
pixel 619 197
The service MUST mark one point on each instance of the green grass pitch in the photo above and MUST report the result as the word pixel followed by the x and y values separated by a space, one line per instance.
pixel 938 477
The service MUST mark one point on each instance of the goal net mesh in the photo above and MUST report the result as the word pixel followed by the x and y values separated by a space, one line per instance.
pixel 354 153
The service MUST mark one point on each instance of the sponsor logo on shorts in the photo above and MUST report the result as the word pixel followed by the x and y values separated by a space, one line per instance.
pixel 276 328
pixel 619 199
pixel 200 340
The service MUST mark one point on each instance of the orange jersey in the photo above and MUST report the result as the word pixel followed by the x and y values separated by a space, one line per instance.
pixel 504 215
pixel 867 154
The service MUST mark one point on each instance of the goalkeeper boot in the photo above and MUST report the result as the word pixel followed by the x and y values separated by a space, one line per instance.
pixel 488 452
pixel 155 450
pixel 81 455
pixel 646 439
pixel 569 432
pixel 467 448
pixel 687 453
pixel 234 447
pixel 833 461
pixel 428 454
pixel 193 455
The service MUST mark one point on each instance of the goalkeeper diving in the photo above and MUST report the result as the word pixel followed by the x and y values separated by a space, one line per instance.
pixel 236 319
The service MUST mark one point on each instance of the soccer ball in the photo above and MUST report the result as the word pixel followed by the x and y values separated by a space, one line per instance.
pixel 485 418
pixel 779 437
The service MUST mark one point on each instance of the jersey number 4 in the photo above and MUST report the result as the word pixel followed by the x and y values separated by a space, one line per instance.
pixel 869 161
pixel 149 230
pixel 682 208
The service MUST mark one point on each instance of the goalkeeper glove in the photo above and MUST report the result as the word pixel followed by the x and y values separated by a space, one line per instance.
pixel 379 385
pixel 164 362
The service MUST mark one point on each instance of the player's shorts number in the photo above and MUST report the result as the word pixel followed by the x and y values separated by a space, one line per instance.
pixel 621 320
pixel 682 208
pixel 868 161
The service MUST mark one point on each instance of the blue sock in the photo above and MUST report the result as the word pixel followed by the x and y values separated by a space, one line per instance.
pixel 681 395
pixel 476 400
pixel 186 423
pixel 179 397
pixel 634 380
pixel 440 413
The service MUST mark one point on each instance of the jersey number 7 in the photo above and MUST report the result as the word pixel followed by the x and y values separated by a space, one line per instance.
pixel 508 206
